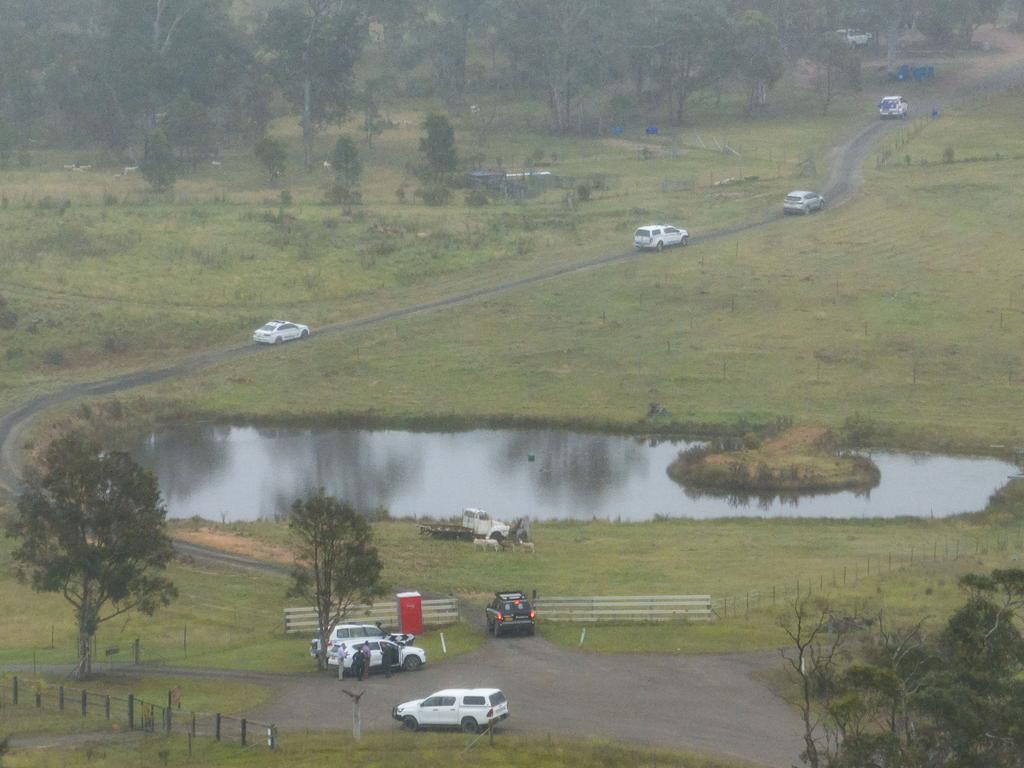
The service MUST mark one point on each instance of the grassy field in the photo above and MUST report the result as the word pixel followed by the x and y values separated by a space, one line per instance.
pixel 395 748
pixel 228 697
pixel 909 312
pixel 107 276
pixel 222 618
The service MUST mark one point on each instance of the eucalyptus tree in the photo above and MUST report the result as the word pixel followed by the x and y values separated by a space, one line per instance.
pixel 312 48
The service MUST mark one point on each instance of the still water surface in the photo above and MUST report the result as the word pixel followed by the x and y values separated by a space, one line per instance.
pixel 247 473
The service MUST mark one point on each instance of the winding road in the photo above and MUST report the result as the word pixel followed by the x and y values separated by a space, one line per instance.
pixel 712 703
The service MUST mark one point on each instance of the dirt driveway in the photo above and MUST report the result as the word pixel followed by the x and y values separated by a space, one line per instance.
pixel 702 703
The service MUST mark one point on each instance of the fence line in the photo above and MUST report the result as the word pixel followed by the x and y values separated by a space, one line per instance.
pixel 850 574
pixel 436 613
pixel 625 608
pixel 137 714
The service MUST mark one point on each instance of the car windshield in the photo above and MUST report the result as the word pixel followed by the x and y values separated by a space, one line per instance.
pixel 269 327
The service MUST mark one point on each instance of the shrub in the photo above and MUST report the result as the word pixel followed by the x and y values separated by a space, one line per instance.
pixel 477 198
pixel 114 345
pixel 8 317
pixel 752 441
pixel 948 155
pixel 400 194
pixel 341 194
pixel 435 195
pixel 159 166
pixel 109 198
pixel 583 193
pixel 286 197
pixel 54 357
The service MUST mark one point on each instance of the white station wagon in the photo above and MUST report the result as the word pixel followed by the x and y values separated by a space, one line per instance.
pixel 801 201
pixel 470 709
pixel 658 236
pixel 277 331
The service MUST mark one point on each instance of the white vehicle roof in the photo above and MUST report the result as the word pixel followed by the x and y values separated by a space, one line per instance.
pixel 657 226
pixel 800 193
pixel 893 98
pixel 465 692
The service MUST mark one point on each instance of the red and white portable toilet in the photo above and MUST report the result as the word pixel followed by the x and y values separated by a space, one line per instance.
pixel 410 613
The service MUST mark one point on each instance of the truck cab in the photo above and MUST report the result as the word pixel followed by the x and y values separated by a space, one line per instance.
pixel 483 525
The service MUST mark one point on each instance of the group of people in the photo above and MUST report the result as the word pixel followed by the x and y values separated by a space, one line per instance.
pixel 361 659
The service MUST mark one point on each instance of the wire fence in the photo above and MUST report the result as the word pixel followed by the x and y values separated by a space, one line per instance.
pixel 135 714
pixel 850 574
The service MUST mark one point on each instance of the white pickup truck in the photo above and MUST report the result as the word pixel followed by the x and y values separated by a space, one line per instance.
pixel 470 709
pixel 855 38
pixel 893 106
pixel 477 524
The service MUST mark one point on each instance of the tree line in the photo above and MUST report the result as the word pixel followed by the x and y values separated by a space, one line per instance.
pixel 114 73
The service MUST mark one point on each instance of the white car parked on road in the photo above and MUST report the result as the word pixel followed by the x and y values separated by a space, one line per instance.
pixel 470 709
pixel 408 657
pixel 658 236
pixel 352 634
pixel 802 201
pixel 893 106
pixel 855 38
pixel 277 331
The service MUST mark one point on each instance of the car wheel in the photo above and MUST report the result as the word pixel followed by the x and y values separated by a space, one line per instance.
pixel 409 723
pixel 277 339
pixel 685 241
pixel 531 631
pixel 660 246
pixel 411 663
pixel 304 335
pixel 469 725
pixel 498 538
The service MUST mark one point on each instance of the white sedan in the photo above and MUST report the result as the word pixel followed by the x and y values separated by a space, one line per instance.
pixel 407 657
pixel 277 331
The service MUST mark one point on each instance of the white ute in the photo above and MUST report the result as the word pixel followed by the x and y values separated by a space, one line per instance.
pixel 470 709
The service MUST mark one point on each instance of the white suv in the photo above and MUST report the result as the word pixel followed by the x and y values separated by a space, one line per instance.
pixel 658 236
pixel 276 331
pixel 407 657
pixel 351 634
pixel 801 201
pixel 893 106
pixel 854 38
pixel 470 709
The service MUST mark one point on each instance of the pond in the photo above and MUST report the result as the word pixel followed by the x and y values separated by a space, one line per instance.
pixel 247 473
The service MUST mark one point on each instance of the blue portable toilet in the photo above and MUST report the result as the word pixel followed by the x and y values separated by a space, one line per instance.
pixel 652 130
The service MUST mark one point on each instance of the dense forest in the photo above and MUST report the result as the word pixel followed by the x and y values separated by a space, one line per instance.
pixel 200 75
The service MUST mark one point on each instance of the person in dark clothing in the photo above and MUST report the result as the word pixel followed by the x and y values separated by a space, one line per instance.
pixel 357 664
pixel 387 657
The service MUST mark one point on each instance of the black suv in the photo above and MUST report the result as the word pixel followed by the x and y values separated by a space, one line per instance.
pixel 510 612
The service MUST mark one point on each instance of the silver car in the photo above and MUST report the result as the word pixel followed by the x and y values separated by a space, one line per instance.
pixel 802 201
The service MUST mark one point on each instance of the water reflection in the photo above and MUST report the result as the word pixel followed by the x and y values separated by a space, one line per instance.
pixel 244 473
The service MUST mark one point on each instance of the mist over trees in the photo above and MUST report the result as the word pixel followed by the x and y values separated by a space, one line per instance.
pixel 210 74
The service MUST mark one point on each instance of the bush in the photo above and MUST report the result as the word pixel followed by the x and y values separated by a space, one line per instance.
pixel 752 441
pixel 435 195
pixel 400 194
pixel 54 357
pixel 286 197
pixel 109 198
pixel 8 317
pixel 340 194
pixel 477 198
pixel 948 155
pixel 583 193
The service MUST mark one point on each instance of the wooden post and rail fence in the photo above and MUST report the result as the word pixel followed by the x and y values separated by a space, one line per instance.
pixel 437 612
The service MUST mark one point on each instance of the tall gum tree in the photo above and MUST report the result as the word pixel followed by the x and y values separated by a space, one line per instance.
pixel 92 528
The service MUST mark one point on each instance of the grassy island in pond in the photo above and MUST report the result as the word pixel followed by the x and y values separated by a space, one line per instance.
pixel 800 460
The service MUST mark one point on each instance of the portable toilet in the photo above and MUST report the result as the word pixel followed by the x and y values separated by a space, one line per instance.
pixel 410 613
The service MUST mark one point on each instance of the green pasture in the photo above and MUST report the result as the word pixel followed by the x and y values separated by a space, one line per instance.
pixel 229 697
pixel 393 748
pixel 224 619
pixel 106 276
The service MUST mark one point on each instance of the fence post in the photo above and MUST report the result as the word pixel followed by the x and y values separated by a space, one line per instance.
pixel 272 737
pixel 131 711
pixel 243 731
pixel 216 726
pixel 135 652
pixel 60 698
pixel 14 691
pixel 193 724
pixel 106 708
pixel 85 701
pixel 167 716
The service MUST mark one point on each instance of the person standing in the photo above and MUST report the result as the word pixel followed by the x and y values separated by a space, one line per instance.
pixel 357 663
pixel 387 651
pixel 342 655
pixel 365 653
